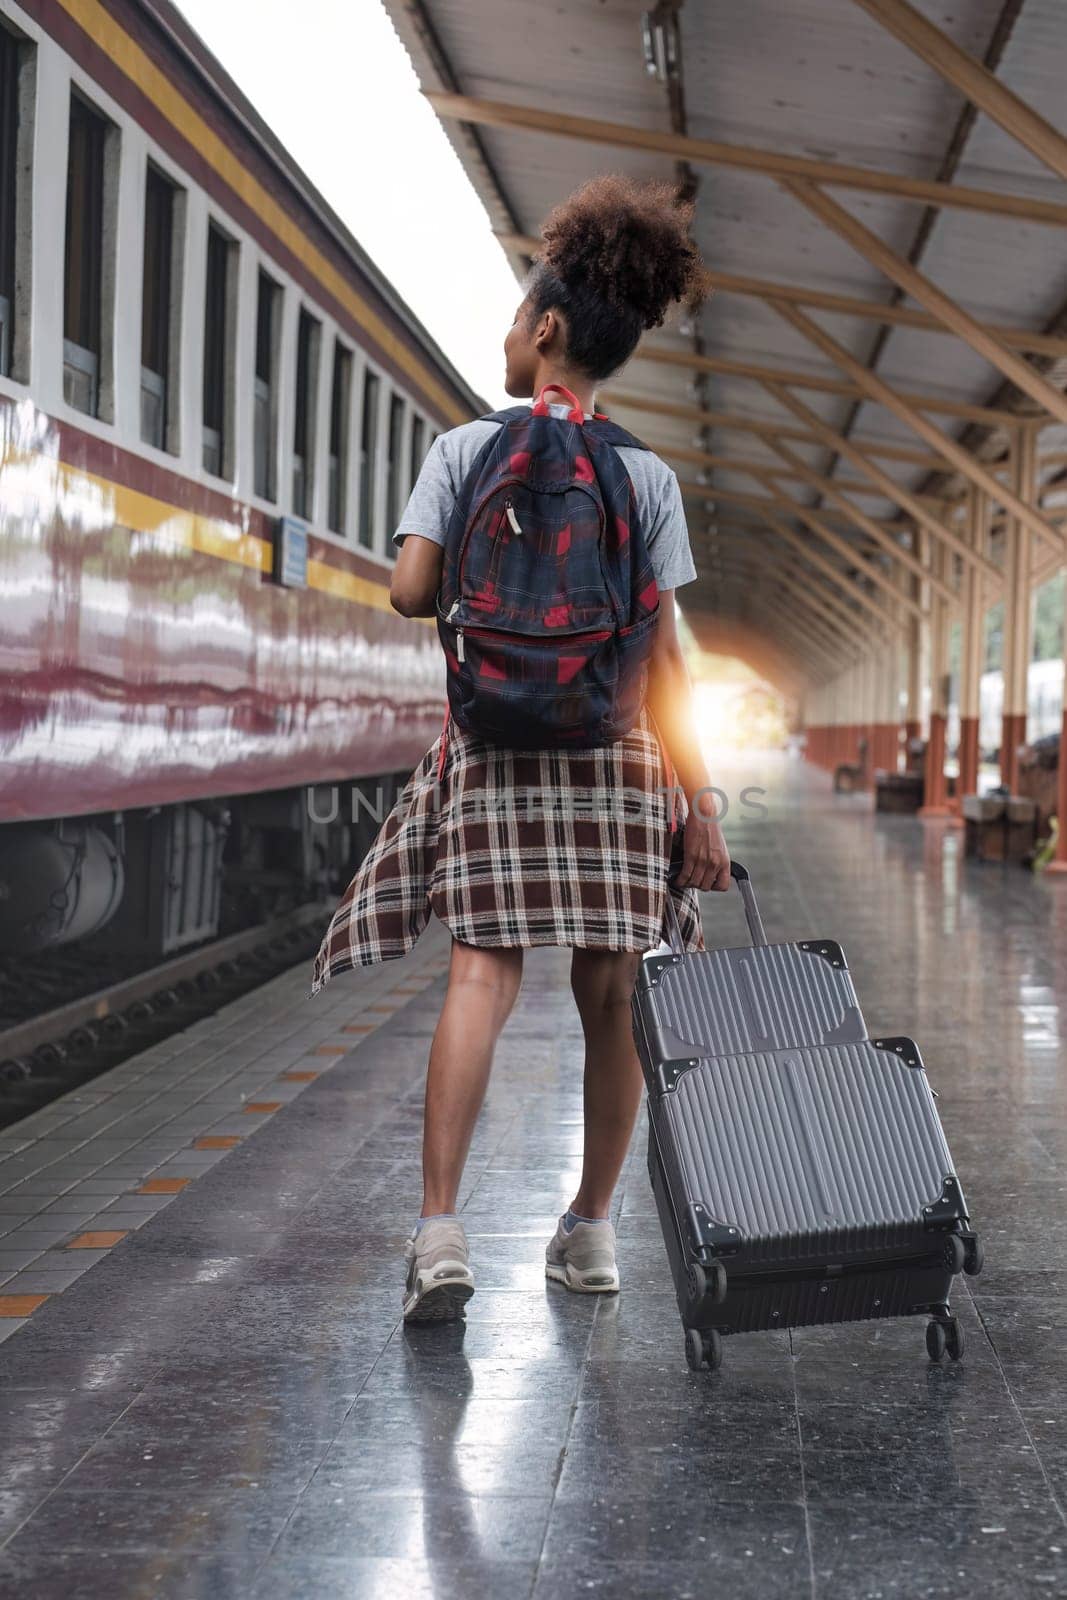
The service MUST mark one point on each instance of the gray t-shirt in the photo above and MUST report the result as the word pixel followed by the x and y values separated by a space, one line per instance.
pixel 659 499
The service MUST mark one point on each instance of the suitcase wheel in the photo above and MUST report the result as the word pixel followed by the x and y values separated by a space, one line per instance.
pixel 703 1348
pixel 935 1340
pixel 955 1253
pixel 700 1283
pixel 944 1336
pixel 974 1256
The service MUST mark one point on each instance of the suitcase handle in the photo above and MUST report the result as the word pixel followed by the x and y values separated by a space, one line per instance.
pixel 741 877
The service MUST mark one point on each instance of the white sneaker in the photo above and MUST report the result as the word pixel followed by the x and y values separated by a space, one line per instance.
pixel 584 1259
pixel 439 1280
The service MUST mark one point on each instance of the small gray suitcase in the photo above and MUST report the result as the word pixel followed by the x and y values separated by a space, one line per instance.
pixel 800 1170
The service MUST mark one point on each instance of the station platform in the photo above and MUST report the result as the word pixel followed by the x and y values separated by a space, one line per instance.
pixel 206 1390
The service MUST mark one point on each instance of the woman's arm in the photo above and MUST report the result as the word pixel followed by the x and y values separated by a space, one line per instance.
pixel 416 577
pixel 670 699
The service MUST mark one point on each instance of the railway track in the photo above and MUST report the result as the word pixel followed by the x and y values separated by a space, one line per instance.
pixel 46 1055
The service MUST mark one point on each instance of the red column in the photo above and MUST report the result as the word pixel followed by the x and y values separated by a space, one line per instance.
pixel 869 732
pixel 967 782
pixel 1013 734
pixel 1058 864
pixel 935 802
pixel 886 745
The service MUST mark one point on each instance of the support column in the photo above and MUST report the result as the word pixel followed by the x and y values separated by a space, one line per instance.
pixel 868 711
pixel 916 635
pixel 880 673
pixel 1058 865
pixel 935 789
pixel 978 517
pixel 1018 594
pixel 890 667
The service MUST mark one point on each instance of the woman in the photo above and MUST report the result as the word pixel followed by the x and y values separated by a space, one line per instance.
pixel 581 869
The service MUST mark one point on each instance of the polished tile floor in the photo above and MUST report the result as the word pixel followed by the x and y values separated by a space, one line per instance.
pixel 225 1404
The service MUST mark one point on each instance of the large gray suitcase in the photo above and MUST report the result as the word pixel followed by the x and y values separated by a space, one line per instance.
pixel 800 1169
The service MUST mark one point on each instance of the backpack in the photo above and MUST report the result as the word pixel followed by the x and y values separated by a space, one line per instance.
pixel 548 603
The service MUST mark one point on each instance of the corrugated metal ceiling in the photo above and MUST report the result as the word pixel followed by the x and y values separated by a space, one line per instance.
pixel 816 78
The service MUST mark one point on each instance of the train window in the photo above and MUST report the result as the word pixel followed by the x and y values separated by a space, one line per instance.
pixel 92 163
pixel 393 468
pixel 340 400
pixel 368 458
pixel 265 403
pixel 307 369
pixel 219 323
pixel 418 448
pixel 159 312
pixel 16 120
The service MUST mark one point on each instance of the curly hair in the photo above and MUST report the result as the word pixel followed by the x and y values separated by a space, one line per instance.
pixel 614 257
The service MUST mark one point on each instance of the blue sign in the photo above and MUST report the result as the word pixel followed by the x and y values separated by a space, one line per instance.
pixel 291 554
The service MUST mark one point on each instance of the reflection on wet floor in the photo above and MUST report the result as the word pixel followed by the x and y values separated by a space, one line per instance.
pixel 226 1404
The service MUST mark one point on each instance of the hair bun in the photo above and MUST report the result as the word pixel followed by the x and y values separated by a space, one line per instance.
pixel 629 243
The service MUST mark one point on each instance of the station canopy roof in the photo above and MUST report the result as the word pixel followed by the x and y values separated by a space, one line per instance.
pixel 880 196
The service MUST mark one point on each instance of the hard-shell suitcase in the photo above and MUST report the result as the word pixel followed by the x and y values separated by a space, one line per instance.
pixel 800 1169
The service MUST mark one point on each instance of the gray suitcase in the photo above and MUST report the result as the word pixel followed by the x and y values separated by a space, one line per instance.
pixel 800 1170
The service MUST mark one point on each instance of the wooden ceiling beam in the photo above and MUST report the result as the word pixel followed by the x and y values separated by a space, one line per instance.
pixel 845 305
pixel 937 302
pixel 805 632
pixel 1032 340
pixel 885 542
pixel 954 453
pixel 767 508
pixel 798 582
pixel 703 458
pixel 732 421
pixel 974 80
pixel 908 503
pixel 985 416
pixel 845 602
pixel 811 519
pixel 715 153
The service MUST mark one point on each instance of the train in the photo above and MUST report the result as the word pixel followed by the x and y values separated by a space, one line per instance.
pixel 212 407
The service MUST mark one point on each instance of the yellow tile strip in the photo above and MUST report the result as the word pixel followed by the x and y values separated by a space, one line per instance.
pixel 20 1305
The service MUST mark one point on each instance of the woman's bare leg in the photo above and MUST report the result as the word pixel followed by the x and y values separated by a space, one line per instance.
pixel 603 981
pixel 482 987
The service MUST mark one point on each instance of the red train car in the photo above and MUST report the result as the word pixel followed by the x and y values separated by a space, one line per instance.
pixel 211 409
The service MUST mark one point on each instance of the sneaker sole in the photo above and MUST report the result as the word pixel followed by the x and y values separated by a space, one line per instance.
pixel 577 1281
pixel 439 1302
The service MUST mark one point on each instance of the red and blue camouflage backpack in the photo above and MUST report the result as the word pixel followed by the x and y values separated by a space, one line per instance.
pixel 548 602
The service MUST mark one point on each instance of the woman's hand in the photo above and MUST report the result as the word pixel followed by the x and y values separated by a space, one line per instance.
pixel 706 860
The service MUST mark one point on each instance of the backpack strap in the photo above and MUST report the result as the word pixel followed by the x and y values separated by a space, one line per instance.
pixel 601 427
pixel 509 414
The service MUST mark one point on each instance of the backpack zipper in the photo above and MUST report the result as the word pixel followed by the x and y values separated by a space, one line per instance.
pixel 513 520
pixel 593 636
pixel 508 483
